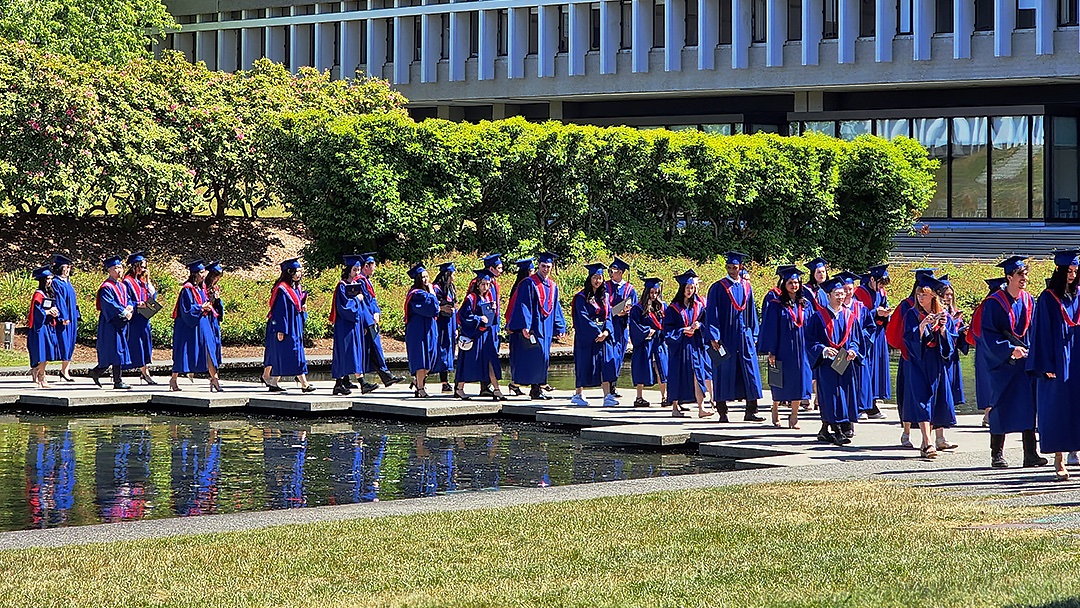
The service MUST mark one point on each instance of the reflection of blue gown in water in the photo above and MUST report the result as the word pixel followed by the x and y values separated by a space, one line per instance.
pixel 52 494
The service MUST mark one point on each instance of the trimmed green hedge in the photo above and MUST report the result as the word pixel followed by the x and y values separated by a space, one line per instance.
pixel 409 190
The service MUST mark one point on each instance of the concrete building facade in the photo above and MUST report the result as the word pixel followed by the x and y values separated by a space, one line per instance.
pixel 991 87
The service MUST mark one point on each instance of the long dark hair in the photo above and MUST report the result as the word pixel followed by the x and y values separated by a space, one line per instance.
pixel 680 297
pixel 346 272
pixel 47 290
pixel 193 278
pixel 523 273
pixel 812 282
pixel 447 291
pixel 1059 283
pixel 599 295
pixel 418 283
pixel 287 278
pixel 656 305
pixel 785 298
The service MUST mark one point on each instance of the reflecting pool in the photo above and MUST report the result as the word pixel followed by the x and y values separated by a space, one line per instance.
pixel 62 470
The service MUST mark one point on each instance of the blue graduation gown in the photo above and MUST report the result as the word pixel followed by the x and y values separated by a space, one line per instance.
pixel 929 394
pixel 536 308
pixel 1052 345
pixel 68 305
pixel 621 323
pixel 877 355
pixel 374 359
pixel 287 357
pixel 213 336
pixel 837 393
pixel 1005 323
pixel 41 337
pixel 448 329
pixel 898 317
pixel 649 362
pixel 473 365
pixel 686 354
pixel 189 340
pixel 348 354
pixel 783 334
pixel 594 362
pixel 421 334
pixel 112 328
pixel 863 377
pixel 731 319
pixel 140 340
pixel 956 375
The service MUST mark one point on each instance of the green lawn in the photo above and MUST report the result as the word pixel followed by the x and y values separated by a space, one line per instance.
pixel 841 544
pixel 16 357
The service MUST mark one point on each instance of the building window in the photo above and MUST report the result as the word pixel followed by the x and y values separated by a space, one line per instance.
pixel 564 28
pixel 1025 18
pixel 867 18
pixel 418 38
pixel 850 129
pixel 534 31
pixel 943 17
pixel 503 32
pixel 759 25
pixel 830 24
pixel 474 34
pixel 984 15
pixel 904 16
pixel 794 20
pixel 1009 164
pixel 658 24
pixel 1064 201
pixel 1067 12
pixel 691 22
pixel 825 127
pixel 626 24
pixel 444 50
pixel 933 134
pixel 891 129
pixel 1038 165
pixel 594 27
pixel 725 22
pixel 969 168
pixel 720 129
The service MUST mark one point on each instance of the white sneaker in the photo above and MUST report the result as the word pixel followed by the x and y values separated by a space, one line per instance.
pixel 610 401
pixel 1073 460
pixel 862 415
pixel 579 401
pixel 905 440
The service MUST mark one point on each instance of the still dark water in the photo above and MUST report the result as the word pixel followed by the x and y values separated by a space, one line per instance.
pixel 77 470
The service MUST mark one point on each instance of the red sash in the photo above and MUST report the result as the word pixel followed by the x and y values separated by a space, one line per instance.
pixel 408 297
pixel 864 296
pixel 695 311
pixel 39 297
pixel 726 282
pixel 121 294
pixel 894 331
pixel 1029 309
pixel 622 292
pixel 547 298
pixel 797 314
pixel 141 293
pixel 510 303
pixel 605 308
pixel 828 319
pixel 1064 314
pixel 474 305
pixel 976 324
pixel 333 304
pixel 293 295
pixel 369 290
pixel 197 293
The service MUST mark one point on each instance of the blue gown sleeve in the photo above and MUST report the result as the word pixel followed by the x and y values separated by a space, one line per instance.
pixel 583 321
pixel 769 332
pixel 469 322
pixel 673 330
pixel 639 329
pixel 279 314
pixel 560 320
pixel 38 318
pixel 347 308
pixel 815 340
pixel 424 303
pixel 996 334
pixel 751 312
pixel 521 316
pixel 111 308
pixel 1048 353
pixel 188 311
pixel 713 318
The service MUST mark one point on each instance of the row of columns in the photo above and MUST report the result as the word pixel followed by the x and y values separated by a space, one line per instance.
pixel 229 49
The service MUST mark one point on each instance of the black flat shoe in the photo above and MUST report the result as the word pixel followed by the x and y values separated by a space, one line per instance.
pixel 539 396
pixel 341 389
pixel 640 402
pixel 753 418
pixel 121 386
pixel 367 387
pixel 392 380
pixel 67 378
pixel 275 389
pixel 446 388
pixel 1036 462
pixel 826 437
pixel 349 385
pixel 308 389
pixel 420 394
pixel 722 418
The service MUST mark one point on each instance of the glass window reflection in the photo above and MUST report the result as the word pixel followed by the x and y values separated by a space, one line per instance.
pixel 933 134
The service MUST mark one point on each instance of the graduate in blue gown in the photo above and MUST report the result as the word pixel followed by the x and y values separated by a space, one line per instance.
pixel 193 328
pixel 140 290
pixel 493 263
pixel 374 358
pixel 982 369
pixel 649 362
pixel 478 360
pixel 536 319
pixel 866 326
pixel 526 269
pixel 620 290
pixel 41 326
pixel 594 347
pixel 871 293
pixel 448 325
pixel 732 324
pixel 956 376
pixel 930 337
pixel 67 306
pixel 894 336
pixel 114 312
pixel 687 338
pixel 818 269
pixel 284 344
pixel 833 333
pixel 212 322
pixel 782 338
pixel 1055 338
pixel 421 332
pixel 349 316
